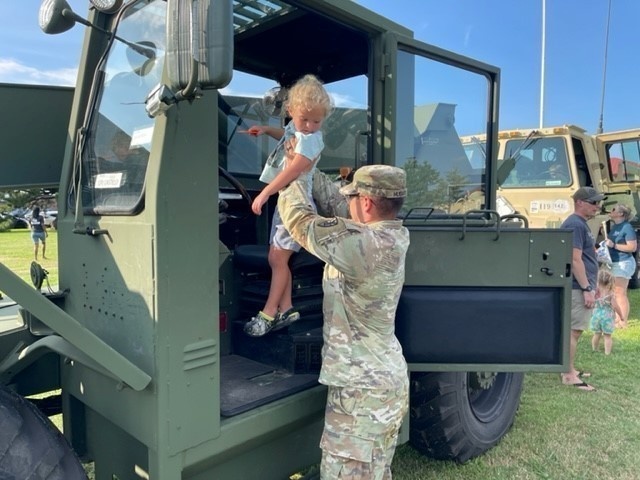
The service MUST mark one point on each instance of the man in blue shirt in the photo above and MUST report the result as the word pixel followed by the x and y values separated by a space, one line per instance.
pixel 584 265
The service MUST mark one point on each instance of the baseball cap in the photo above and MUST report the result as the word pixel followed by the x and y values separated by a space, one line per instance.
pixel 588 194
pixel 378 181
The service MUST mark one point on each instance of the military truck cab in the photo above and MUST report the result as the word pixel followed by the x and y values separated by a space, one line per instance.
pixel 540 169
pixel 161 261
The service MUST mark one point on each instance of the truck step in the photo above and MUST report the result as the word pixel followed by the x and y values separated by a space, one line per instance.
pixel 246 384
pixel 296 349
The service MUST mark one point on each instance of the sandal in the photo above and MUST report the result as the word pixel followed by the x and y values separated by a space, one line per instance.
pixel 285 319
pixel 585 387
pixel 259 325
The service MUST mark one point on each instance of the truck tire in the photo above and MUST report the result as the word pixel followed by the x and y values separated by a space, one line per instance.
pixel 460 415
pixel 31 447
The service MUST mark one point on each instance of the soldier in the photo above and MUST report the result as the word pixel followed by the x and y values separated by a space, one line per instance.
pixel 362 361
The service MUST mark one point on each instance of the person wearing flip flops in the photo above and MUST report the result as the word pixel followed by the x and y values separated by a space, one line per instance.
pixel 308 105
pixel 362 361
pixel 584 267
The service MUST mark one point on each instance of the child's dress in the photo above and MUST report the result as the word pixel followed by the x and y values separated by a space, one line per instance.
pixel 307 145
pixel 603 316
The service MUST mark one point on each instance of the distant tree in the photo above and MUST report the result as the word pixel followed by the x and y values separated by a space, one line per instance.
pixel 426 188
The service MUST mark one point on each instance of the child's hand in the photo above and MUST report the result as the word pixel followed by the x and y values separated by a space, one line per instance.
pixel 256 130
pixel 257 204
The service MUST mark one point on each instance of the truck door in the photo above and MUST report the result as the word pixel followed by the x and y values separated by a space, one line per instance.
pixel 482 292
pixel 619 152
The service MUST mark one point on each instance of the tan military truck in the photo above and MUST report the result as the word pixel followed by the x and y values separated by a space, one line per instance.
pixel 540 169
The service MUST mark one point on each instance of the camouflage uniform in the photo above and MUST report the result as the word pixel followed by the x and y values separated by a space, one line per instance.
pixel 362 361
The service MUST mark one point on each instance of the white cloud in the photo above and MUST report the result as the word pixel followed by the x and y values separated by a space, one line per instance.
pixel 12 71
pixel 345 101
pixel 467 36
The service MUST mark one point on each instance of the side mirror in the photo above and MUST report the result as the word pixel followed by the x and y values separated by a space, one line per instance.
pixel 199 44
pixel 56 16
pixel 52 18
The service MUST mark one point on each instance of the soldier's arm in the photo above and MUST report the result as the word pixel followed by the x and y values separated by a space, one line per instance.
pixel 329 201
pixel 334 240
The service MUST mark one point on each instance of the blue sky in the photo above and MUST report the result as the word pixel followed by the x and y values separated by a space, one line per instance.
pixel 505 33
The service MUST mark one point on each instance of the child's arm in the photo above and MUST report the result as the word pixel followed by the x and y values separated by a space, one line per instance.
pixel 273 132
pixel 297 165
pixel 616 307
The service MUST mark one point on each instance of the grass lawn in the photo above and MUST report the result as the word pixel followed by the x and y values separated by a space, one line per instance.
pixel 16 252
pixel 559 433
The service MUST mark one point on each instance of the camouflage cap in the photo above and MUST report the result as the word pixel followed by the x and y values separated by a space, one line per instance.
pixel 378 181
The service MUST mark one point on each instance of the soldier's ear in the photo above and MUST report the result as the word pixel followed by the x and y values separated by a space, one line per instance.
pixel 368 203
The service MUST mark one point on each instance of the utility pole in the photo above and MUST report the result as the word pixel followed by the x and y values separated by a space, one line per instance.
pixel 542 62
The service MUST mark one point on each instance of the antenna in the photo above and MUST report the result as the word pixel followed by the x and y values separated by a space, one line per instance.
pixel 604 70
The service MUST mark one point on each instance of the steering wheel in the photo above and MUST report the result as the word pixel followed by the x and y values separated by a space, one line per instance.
pixel 238 187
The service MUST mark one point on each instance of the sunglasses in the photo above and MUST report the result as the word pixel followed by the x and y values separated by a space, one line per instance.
pixel 592 202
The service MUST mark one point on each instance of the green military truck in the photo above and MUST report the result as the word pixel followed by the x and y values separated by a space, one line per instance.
pixel 540 169
pixel 161 261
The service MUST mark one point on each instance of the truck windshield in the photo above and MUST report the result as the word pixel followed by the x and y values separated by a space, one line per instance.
pixel 542 162
pixel 116 153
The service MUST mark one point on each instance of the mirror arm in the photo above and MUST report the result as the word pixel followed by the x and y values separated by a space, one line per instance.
pixel 71 15
pixel 190 89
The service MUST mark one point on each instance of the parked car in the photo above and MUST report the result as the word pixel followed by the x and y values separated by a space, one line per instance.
pixel 16 216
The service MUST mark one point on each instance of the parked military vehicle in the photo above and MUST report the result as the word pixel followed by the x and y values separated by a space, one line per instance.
pixel 541 168
pixel 161 261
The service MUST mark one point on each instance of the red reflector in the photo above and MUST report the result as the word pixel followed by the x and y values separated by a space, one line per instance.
pixel 223 321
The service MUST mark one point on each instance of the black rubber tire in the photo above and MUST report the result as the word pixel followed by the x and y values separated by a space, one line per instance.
pixel 452 420
pixel 31 447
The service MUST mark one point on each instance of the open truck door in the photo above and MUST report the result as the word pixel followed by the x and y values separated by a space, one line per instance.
pixel 619 155
pixel 481 295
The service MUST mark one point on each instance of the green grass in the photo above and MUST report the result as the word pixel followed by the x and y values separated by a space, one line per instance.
pixel 559 432
pixel 16 252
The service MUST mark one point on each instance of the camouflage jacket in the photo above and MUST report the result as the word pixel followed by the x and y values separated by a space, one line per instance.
pixel 362 281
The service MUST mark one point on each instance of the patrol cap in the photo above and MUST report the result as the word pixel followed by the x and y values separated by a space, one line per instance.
pixel 588 194
pixel 378 181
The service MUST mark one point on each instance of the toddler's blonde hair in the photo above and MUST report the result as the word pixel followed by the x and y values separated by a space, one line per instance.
pixel 606 280
pixel 309 93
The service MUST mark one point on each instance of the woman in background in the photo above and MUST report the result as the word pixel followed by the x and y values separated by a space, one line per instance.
pixel 622 243
pixel 38 232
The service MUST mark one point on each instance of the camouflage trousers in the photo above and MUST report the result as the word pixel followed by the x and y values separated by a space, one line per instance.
pixel 361 431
